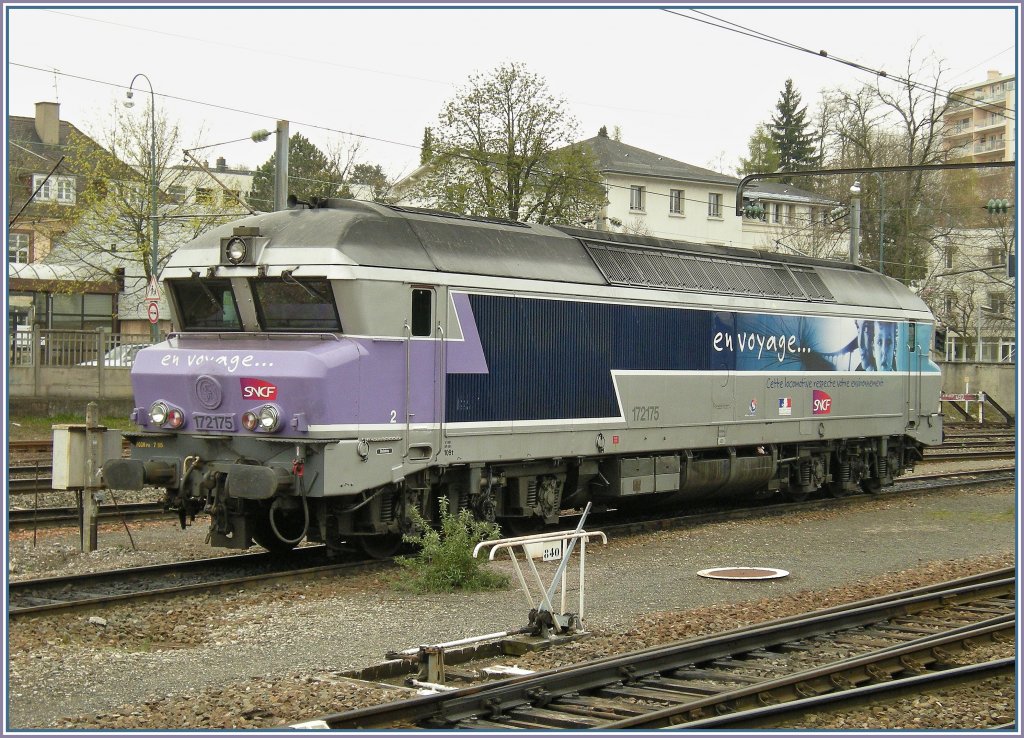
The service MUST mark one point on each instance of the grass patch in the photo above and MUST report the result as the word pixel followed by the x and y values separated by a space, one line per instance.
pixel 35 428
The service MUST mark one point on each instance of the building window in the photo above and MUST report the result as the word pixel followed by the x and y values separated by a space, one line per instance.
pixel 776 208
pixel 232 197
pixel 714 205
pixel 81 312
pixel 676 202
pixel 637 195
pixel 995 256
pixel 950 256
pixel 177 193
pixel 61 189
pixel 42 186
pixel 204 196
pixel 66 190
pixel 947 303
pixel 19 247
pixel 997 301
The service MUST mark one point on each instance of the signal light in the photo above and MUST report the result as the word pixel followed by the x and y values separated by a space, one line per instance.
pixel 249 420
pixel 175 418
pixel 997 206
pixel 754 210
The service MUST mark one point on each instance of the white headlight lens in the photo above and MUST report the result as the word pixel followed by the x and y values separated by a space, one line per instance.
pixel 235 250
pixel 158 413
pixel 268 418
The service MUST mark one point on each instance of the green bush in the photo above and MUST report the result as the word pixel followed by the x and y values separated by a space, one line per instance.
pixel 445 560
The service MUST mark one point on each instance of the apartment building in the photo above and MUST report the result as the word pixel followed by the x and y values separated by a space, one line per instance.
pixel 979 124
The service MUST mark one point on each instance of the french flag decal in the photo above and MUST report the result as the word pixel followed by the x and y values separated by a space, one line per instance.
pixel 785 406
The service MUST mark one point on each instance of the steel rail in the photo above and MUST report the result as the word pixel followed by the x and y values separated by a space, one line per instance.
pixel 770 715
pixel 805 690
pixel 450 708
pixel 22 518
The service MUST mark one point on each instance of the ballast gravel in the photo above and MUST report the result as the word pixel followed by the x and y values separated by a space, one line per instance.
pixel 275 655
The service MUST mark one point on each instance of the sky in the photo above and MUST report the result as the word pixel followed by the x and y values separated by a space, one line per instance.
pixel 671 83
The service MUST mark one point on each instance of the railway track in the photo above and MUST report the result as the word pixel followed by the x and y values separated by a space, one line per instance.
pixel 52 517
pixel 753 676
pixel 85 591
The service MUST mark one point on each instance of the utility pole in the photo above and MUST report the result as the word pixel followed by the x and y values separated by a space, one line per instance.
pixel 855 223
pixel 281 169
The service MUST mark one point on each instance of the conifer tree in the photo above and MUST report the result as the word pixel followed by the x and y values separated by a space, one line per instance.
pixel 789 132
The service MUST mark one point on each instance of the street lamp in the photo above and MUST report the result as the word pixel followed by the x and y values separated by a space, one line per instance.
pixel 855 223
pixel 881 223
pixel 154 228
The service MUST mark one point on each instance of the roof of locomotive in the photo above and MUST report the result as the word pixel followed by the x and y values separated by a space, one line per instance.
pixel 370 234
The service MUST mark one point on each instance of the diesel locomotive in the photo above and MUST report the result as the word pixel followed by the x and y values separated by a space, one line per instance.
pixel 340 365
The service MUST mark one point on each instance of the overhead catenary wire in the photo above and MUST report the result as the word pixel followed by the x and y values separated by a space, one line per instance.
pixel 495 159
pixel 745 31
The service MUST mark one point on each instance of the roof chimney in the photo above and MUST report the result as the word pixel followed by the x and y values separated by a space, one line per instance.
pixel 994 74
pixel 48 122
pixel 222 164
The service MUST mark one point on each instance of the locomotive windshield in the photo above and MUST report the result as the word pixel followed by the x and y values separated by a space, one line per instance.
pixel 206 304
pixel 291 304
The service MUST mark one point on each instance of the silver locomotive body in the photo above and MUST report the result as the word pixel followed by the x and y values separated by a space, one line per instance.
pixel 340 367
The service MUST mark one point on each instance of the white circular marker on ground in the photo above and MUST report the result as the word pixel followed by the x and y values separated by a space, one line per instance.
pixel 743 572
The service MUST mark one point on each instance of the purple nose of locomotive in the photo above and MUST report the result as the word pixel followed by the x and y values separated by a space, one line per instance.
pixel 255 386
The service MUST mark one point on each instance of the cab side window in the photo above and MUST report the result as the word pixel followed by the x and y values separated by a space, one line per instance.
pixel 422 312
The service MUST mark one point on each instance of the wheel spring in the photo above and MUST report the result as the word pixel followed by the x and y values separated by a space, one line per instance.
pixel 387 507
pixel 845 471
pixel 883 467
pixel 805 475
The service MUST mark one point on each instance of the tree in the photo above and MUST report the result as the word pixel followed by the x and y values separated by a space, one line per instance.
pixel 789 132
pixel 889 122
pixel 374 177
pixel 763 153
pixel 311 173
pixel 427 147
pixel 109 229
pixel 502 149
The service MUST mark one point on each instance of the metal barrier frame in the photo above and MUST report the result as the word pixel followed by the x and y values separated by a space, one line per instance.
pixel 564 538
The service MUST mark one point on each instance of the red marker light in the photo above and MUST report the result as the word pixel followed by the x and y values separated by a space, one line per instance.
pixel 615 439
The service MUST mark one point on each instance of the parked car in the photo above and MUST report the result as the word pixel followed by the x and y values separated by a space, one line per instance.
pixel 123 355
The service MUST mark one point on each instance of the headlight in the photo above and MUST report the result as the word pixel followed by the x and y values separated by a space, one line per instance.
pixel 235 250
pixel 269 419
pixel 158 413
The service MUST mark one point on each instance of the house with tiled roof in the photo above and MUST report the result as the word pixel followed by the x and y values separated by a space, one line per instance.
pixel 652 194
pixel 50 184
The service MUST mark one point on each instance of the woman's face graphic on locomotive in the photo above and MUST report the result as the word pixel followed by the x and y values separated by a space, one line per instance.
pixel 876 341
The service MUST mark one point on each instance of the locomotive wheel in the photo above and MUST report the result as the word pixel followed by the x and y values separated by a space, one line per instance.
pixel 872 485
pixel 264 536
pixel 379 547
pixel 797 495
pixel 837 489
pixel 290 525
pixel 513 527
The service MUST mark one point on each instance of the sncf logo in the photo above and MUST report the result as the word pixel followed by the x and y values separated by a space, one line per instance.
pixel 257 389
pixel 822 403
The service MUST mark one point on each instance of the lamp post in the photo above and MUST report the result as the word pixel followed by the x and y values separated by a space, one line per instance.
pixel 154 225
pixel 855 223
pixel 881 223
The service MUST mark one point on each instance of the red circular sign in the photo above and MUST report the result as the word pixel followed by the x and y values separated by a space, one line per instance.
pixel 154 312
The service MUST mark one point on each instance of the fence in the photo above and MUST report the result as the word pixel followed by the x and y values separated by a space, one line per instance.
pixel 58 348
pixel 54 366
